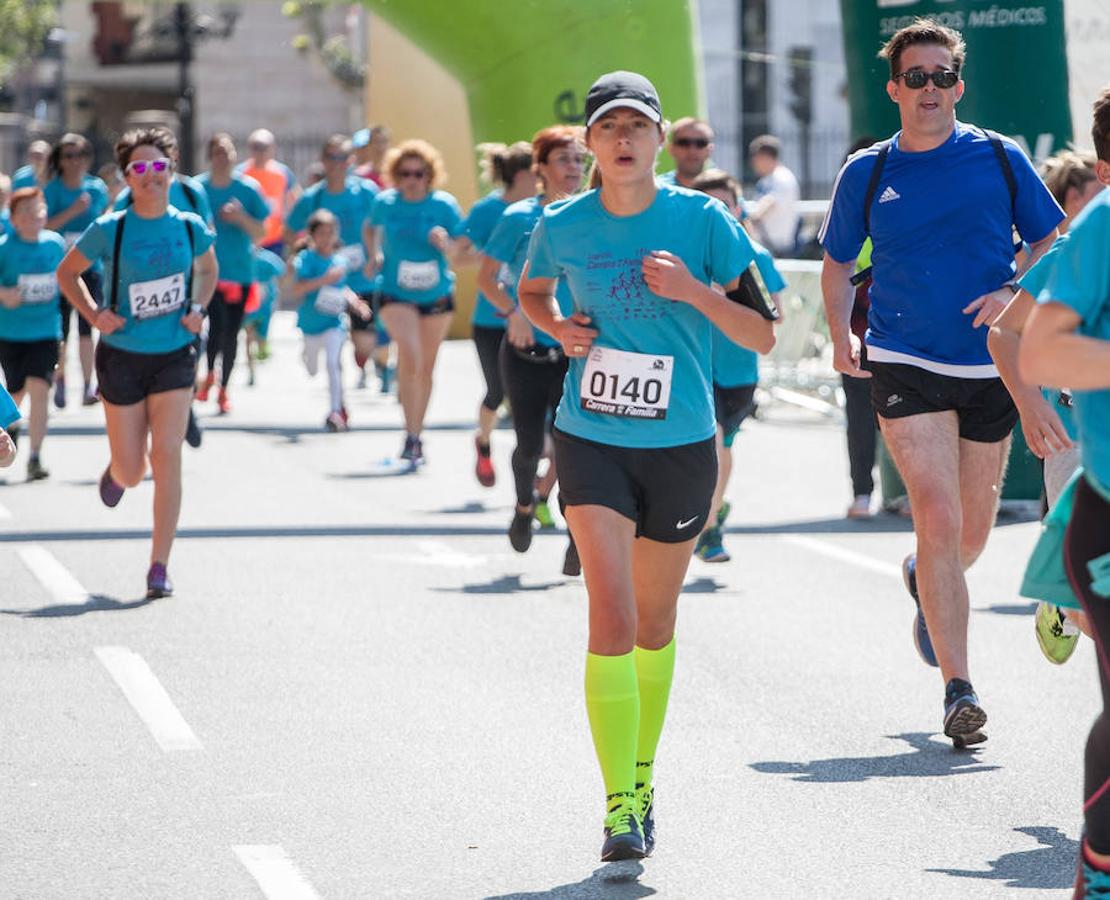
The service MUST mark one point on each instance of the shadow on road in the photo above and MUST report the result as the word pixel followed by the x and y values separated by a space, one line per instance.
pixel 1010 609
pixel 929 759
pixel 95 603
pixel 613 881
pixel 704 585
pixel 1049 866
pixel 506 584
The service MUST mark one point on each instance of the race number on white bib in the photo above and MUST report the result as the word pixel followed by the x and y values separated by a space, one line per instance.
pixel 331 300
pixel 159 297
pixel 417 276
pixel 39 288
pixel 634 385
pixel 353 257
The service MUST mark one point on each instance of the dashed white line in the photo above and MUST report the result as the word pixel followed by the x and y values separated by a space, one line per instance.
pixel 148 698
pixel 52 575
pixel 275 873
pixel 849 556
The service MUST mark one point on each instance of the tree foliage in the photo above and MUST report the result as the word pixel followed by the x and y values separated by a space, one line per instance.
pixel 24 25
pixel 334 50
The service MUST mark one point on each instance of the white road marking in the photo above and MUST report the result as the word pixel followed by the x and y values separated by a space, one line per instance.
pixel 4 514
pixel 849 556
pixel 52 575
pixel 437 553
pixel 148 698
pixel 275 873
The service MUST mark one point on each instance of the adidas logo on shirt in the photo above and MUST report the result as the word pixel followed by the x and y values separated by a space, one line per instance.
pixel 889 194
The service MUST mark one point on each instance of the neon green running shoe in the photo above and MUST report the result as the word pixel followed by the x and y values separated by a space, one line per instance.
pixel 542 514
pixel 722 513
pixel 1056 636
pixel 624 838
pixel 645 806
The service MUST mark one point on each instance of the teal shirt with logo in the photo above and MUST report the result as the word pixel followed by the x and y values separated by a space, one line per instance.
pixel 233 244
pixel 321 309
pixel 351 207
pixel 31 267
pixel 412 269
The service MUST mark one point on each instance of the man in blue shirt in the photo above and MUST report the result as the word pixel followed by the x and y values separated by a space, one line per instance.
pixel 939 201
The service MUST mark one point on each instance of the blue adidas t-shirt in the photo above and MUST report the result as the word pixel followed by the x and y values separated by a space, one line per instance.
pixel 59 198
pixel 186 194
pixel 413 270
pixel 601 256
pixel 1034 281
pixel 509 245
pixel 154 281
pixel 478 226
pixel 1080 279
pixel 351 207
pixel 733 365
pixel 233 244
pixel 31 267
pixel 941 226
pixel 322 309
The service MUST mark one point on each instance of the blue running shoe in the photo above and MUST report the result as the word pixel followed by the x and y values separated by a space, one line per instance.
pixel 710 547
pixel 921 639
pixel 645 804
pixel 624 838
pixel 963 716
pixel 1093 883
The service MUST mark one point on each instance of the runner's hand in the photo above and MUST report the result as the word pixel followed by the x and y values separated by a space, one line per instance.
pixel 439 238
pixel 7 449
pixel 107 322
pixel 192 322
pixel 373 265
pixel 360 309
pixel 573 334
pixel 988 307
pixel 518 330
pixel 1044 432
pixel 846 358
pixel 232 211
pixel 668 276
pixel 82 203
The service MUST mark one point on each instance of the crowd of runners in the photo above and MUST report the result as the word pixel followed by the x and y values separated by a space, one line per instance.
pixel 620 319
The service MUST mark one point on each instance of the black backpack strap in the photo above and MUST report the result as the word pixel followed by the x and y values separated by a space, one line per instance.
pixel 192 260
pixel 113 303
pixel 873 183
pixel 1003 163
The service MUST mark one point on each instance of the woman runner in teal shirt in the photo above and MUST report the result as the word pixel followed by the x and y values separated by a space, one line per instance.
pixel 160 274
pixel 635 429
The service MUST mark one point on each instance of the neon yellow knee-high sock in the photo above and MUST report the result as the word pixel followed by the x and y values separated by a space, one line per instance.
pixel 613 705
pixel 654 672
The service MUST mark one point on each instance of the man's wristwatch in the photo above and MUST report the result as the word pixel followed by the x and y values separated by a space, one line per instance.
pixel 1014 287
pixel 197 309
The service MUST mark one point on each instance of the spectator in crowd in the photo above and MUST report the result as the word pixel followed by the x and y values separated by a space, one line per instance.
pixel 370 146
pixel 34 173
pixel 690 145
pixel 773 218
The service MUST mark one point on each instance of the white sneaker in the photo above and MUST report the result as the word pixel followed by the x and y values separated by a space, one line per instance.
pixel 861 507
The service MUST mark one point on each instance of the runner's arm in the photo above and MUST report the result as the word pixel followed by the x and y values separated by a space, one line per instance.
pixel 840 297
pixel 1052 353
pixel 537 300
pixel 9 297
pixel 206 272
pixel 1036 251
pixel 491 287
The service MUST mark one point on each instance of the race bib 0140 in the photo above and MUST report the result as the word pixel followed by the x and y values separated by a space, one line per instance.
pixel 158 297
pixel 631 385
pixel 417 276
pixel 41 287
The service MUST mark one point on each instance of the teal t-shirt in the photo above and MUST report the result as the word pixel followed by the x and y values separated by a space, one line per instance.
pixel 734 365
pixel 154 281
pixel 321 309
pixel 601 257
pixel 268 268
pixel 31 267
pixel 509 245
pixel 9 412
pixel 5 221
pixel 1034 282
pixel 479 225
pixel 24 177
pixel 185 193
pixel 233 244
pixel 1080 279
pixel 351 207
pixel 413 270
pixel 60 198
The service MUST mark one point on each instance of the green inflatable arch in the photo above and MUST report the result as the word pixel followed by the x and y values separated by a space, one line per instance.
pixel 528 64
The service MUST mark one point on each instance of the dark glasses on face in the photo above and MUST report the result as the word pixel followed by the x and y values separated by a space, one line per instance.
pixel 141 166
pixel 700 143
pixel 336 157
pixel 915 79
pixel 74 154
pixel 411 173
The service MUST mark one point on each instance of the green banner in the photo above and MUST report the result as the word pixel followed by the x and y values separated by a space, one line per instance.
pixel 527 65
pixel 1016 70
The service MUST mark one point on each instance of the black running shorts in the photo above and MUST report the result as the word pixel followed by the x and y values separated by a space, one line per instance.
pixel 21 360
pixel 445 304
pixel 732 405
pixel 126 378
pixel 985 408
pixel 666 491
pixel 358 323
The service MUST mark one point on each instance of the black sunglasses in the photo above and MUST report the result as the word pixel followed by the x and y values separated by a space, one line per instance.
pixel 915 79
pixel 700 143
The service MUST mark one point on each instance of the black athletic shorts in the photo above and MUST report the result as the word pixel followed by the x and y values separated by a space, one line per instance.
pixel 358 323
pixel 732 405
pixel 444 304
pixel 21 360
pixel 666 491
pixel 985 408
pixel 95 284
pixel 126 378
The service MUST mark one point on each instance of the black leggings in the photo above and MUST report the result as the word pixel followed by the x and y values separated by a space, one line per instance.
pixel 487 341
pixel 862 431
pixel 534 390
pixel 1088 539
pixel 224 321
pixel 94 283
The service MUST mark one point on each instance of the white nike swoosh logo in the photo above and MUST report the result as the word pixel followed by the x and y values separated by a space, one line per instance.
pixel 687 523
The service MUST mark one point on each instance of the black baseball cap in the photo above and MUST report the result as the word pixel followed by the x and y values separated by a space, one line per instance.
pixel 622 89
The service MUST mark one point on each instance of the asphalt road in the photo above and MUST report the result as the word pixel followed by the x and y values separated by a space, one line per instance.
pixel 360 691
